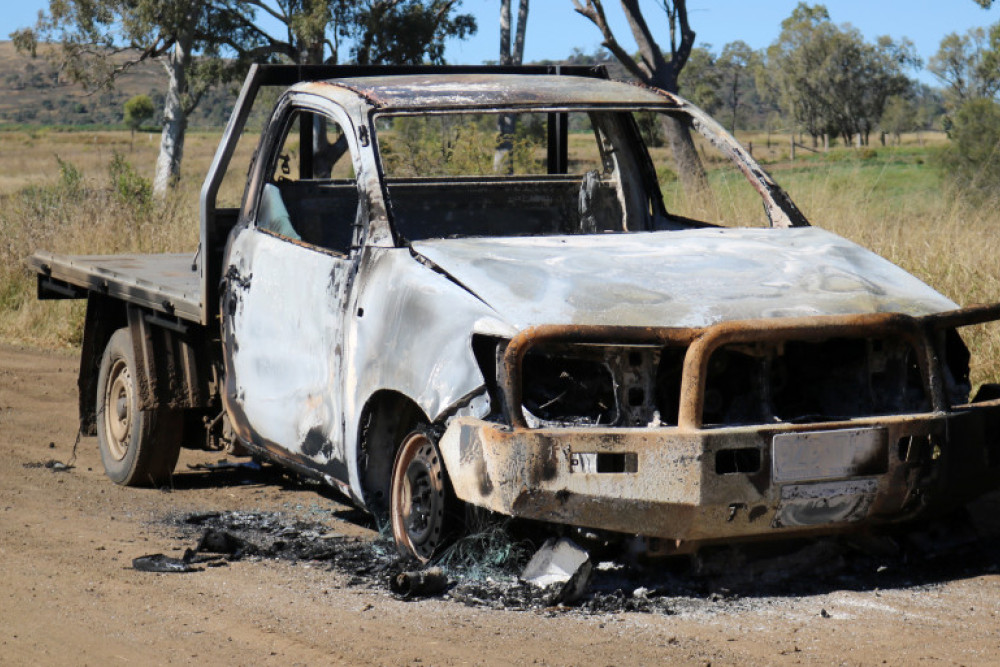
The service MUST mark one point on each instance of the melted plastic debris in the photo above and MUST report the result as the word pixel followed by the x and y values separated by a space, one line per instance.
pixel 162 563
pixel 51 464
pixel 722 579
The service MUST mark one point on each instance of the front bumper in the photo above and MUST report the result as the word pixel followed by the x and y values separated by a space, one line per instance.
pixel 707 485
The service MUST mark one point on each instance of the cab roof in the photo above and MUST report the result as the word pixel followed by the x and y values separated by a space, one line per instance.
pixel 492 90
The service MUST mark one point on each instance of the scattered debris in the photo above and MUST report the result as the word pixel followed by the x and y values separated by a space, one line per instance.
pixel 162 563
pixel 226 464
pixel 563 567
pixel 419 583
pixel 726 578
pixel 51 464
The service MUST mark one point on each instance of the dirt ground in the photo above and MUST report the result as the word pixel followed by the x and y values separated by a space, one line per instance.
pixel 68 594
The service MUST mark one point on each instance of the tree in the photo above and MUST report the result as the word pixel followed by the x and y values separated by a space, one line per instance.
pixel 829 79
pixel 792 63
pixel 967 65
pixel 736 63
pixel 973 157
pixel 99 39
pixel 506 124
pixel 653 68
pixel 900 116
pixel 138 109
pixel 702 80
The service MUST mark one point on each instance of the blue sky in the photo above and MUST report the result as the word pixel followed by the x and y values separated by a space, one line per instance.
pixel 554 29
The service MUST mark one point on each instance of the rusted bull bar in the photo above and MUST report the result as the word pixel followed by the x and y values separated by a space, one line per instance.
pixel 702 342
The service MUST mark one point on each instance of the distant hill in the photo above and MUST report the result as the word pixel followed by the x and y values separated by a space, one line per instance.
pixel 32 92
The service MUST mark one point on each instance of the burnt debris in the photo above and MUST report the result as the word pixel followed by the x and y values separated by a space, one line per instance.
pixel 724 578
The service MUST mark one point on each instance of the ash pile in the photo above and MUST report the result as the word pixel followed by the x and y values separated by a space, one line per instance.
pixel 505 567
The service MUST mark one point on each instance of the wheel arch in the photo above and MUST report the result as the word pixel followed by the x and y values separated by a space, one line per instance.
pixel 387 417
pixel 173 364
pixel 104 316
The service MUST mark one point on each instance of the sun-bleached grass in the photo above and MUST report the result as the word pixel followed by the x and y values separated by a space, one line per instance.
pixel 892 200
pixel 57 194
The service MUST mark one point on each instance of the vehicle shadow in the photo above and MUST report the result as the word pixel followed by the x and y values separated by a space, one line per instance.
pixel 243 473
pixel 964 545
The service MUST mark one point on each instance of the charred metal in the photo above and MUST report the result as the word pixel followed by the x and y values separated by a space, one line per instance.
pixel 420 325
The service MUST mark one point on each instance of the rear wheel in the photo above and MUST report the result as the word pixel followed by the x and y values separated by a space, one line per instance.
pixel 138 447
pixel 423 508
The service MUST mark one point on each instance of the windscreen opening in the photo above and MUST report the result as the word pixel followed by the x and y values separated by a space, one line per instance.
pixel 454 175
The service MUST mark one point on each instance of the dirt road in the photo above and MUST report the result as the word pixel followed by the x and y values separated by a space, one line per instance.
pixel 68 594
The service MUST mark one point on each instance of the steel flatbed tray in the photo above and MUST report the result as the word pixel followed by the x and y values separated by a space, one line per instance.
pixel 167 283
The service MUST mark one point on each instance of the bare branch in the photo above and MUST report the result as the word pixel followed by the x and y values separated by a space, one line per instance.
pixel 594 11
pixel 522 23
pixel 273 12
pixel 680 56
pixel 504 32
pixel 649 50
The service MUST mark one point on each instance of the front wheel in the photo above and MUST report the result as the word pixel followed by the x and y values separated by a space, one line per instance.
pixel 422 506
pixel 138 447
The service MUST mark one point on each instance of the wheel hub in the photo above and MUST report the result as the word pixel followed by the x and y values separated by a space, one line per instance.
pixel 118 409
pixel 418 497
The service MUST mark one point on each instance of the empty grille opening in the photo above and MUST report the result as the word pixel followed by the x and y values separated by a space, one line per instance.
pixel 636 396
pixel 566 389
pixel 743 460
pixel 798 382
pixel 668 383
pixel 626 462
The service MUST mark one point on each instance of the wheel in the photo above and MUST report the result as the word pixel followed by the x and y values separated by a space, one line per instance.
pixel 422 506
pixel 138 447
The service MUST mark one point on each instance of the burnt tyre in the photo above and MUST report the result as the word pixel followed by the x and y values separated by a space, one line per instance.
pixel 423 508
pixel 138 447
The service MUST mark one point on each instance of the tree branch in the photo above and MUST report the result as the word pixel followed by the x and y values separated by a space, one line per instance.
pixel 522 23
pixel 649 50
pixel 594 11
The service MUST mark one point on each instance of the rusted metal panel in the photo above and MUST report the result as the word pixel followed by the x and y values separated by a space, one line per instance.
pixel 676 492
pixel 803 505
pixel 819 455
pixel 471 91
pixel 167 283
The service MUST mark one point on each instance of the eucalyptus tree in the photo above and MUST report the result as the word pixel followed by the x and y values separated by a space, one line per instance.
pixel 829 79
pixel 202 43
pixel 967 65
pixel 511 53
pixel 655 67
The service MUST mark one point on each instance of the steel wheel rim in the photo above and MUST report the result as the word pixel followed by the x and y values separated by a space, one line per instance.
pixel 418 499
pixel 118 409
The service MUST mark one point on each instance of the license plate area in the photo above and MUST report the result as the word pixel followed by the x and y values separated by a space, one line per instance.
pixel 814 456
pixel 821 503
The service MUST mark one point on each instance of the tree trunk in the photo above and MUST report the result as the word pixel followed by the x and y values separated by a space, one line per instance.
pixel 168 163
pixel 654 69
pixel 690 170
pixel 503 161
pixel 736 100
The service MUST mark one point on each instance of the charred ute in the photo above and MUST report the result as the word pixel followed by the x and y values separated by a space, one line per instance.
pixel 425 323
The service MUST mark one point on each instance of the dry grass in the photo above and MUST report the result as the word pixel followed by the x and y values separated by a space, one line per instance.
pixel 77 208
pixel 890 200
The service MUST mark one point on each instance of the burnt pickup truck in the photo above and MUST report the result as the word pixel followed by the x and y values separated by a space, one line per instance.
pixel 429 315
